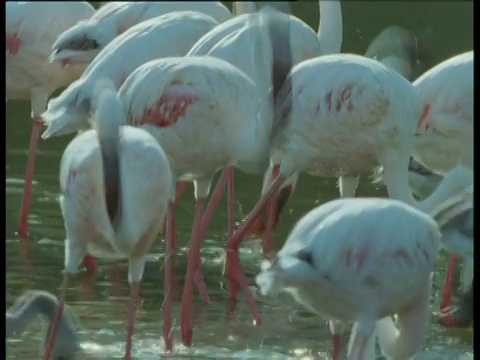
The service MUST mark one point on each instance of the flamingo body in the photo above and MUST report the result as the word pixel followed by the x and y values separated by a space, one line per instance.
pixel 81 43
pixel 365 102
pixel 340 264
pixel 216 123
pixel 168 35
pixel 445 138
pixel 83 206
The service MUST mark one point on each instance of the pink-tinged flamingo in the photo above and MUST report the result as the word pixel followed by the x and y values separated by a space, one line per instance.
pixel 83 42
pixel 116 183
pixel 339 263
pixel 31 28
pixel 233 41
pixel 346 114
pixel 445 136
pixel 206 114
pixel 203 112
pixel 28 307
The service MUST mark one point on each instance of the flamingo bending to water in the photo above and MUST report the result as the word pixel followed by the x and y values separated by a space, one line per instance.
pixel 31 28
pixel 340 264
pixel 235 42
pixel 116 183
pixel 84 41
pixel 27 308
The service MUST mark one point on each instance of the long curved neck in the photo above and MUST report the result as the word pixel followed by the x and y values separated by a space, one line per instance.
pixel 17 321
pixel 330 27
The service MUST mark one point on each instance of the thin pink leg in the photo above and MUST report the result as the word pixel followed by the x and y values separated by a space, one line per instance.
pixel 271 217
pixel 448 284
pixel 90 264
pixel 27 189
pixel 271 213
pixel 167 281
pixel 234 271
pixel 186 312
pixel 52 333
pixel 132 311
pixel 213 203
pixel 336 346
pixel 231 202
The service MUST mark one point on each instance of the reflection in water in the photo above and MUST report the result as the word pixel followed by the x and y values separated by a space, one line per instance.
pixel 287 330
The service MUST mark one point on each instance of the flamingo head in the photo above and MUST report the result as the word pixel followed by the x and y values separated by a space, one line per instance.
pixel 81 43
pixel 69 112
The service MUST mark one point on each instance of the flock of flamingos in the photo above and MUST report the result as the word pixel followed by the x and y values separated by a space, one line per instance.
pixel 185 89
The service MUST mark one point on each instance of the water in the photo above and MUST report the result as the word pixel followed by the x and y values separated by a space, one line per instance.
pixel 288 331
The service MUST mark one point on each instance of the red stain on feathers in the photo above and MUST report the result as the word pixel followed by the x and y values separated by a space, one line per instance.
pixel 168 109
pixel 12 43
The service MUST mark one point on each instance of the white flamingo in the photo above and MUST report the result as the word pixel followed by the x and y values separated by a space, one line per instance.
pixel 81 43
pixel 168 35
pixel 339 263
pixel 31 28
pixel 236 41
pixel 346 114
pixel 116 183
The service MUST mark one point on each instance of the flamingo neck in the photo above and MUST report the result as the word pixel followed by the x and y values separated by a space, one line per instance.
pixel 449 192
pixel 244 7
pixel 330 27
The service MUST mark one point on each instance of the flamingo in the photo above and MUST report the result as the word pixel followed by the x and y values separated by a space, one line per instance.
pixel 233 41
pixel 33 303
pixel 205 114
pixel 31 28
pixel 348 114
pixel 84 41
pixel 112 207
pixel 338 263
pixel 168 35
pixel 444 138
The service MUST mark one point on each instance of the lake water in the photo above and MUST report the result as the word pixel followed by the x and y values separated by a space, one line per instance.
pixel 288 331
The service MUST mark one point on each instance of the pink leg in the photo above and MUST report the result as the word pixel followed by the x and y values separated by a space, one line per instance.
pixel 231 202
pixel 27 189
pixel 271 217
pixel 52 333
pixel 336 346
pixel 234 271
pixel 167 282
pixel 90 264
pixel 213 203
pixel 448 284
pixel 132 311
pixel 186 318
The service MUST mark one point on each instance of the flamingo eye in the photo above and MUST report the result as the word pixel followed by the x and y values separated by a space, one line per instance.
pixel 306 257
